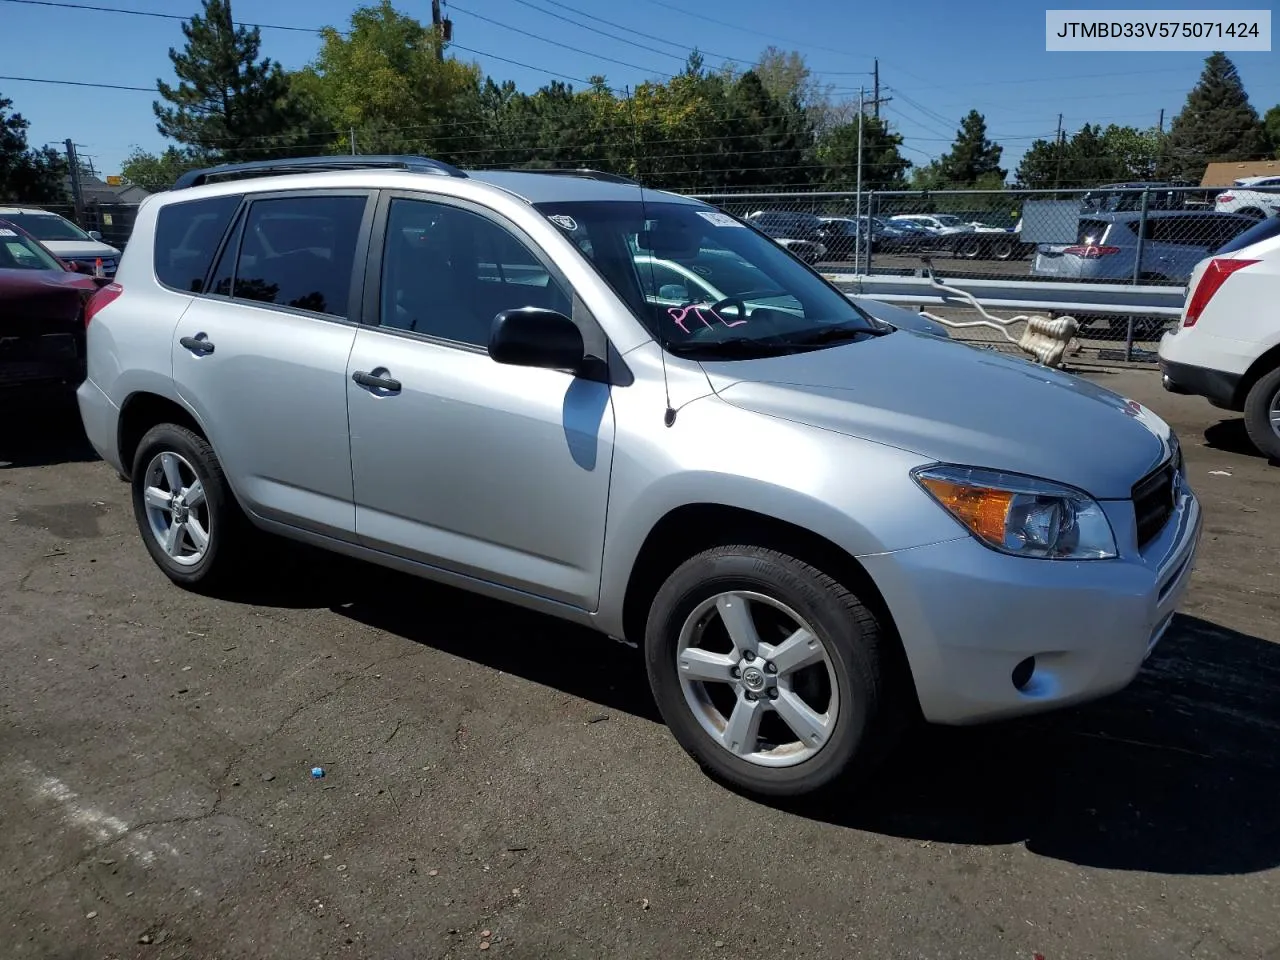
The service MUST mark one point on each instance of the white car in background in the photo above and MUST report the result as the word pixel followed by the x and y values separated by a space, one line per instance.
pixel 941 224
pixel 1243 197
pixel 1227 347
pixel 64 239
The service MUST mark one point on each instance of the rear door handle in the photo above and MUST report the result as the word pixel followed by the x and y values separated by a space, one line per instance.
pixel 198 344
pixel 375 382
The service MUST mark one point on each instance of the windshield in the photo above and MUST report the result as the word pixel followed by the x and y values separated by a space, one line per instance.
pixel 47 226
pixel 704 283
pixel 21 253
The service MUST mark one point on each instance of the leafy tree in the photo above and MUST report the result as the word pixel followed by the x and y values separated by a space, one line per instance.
pixel 29 175
pixel 883 166
pixel 1090 157
pixel 384 79
pixel 1217 123
pixel 160 171
pixel 972 157
pixel 1272 124
pixel 227 101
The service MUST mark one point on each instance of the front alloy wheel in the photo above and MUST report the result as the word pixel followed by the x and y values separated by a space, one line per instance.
pixel 773 675
pixel 770 699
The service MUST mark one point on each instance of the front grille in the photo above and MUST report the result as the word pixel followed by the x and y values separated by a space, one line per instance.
pixel 1153 499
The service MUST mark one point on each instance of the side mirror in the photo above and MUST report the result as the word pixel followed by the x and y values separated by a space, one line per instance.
pixel 95 235
pixel 535 337
pixel 73 266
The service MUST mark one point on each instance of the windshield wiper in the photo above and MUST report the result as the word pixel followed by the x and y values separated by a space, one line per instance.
pixel 835 335
pixel 736 347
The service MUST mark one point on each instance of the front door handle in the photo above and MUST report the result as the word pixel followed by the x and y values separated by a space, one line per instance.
pixel 199 344
pixel 375 382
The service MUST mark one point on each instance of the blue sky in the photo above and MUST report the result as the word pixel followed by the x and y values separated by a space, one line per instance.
pixel 937 59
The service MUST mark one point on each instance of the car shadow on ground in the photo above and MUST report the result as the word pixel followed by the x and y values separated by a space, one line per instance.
pixel 1230 436
pixel 39 430
pixel 1177 774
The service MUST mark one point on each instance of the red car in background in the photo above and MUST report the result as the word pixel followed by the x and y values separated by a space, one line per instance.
pixel 42 301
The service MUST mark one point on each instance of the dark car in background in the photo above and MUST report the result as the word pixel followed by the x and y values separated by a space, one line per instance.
pixel 42 304
pixel 801 233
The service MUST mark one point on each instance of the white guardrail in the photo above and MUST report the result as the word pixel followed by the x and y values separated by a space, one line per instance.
pixel 1046 334
pixel 1021 295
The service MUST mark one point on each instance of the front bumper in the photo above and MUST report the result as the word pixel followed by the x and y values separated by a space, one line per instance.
pixel 968 616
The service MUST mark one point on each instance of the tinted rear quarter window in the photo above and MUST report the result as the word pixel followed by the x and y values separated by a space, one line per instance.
pixel 299 252
pixel 1092 231
pixel 1262 230
pixel 187 237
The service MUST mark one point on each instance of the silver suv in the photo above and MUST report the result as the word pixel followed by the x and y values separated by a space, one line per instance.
pixel 817 527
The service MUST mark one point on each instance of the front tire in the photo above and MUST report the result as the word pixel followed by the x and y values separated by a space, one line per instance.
pixel 189 519
pixel 1262 414
pixel 770 673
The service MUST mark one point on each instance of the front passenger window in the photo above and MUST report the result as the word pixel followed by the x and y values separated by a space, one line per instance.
pixel 446 272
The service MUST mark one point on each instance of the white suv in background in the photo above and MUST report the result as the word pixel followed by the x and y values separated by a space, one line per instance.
pixel 1244 197
pixel 1227 348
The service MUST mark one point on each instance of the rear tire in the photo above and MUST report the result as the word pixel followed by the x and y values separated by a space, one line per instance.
pixel 189 519
pixel 831 656
pixel 1002 250
pixel 968 248
pixel 1262 414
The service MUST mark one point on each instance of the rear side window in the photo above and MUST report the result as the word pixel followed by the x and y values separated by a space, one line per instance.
pixel 298 252
pixel 187 237
pixel 1209 231
pixel 1262 230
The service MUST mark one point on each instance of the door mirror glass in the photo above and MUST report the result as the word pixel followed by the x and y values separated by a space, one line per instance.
pixel 536 337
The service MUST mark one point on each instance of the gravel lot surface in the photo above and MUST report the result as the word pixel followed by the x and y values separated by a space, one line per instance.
pixel 498 778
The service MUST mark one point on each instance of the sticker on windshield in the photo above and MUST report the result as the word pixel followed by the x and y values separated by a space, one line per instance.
pixel 6 232
pixel 720 220
pixel 567 223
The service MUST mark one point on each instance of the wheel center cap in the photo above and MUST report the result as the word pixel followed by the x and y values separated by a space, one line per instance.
pixel 753 679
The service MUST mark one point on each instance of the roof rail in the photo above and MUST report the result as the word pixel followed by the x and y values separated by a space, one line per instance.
pixel 583 172
pixel 195 178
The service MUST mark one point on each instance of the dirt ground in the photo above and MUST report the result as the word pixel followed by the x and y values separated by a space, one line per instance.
pixel 495 777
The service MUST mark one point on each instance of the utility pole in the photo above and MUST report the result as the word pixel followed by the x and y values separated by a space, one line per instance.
pixel 1057 177
pixel 443 28
pixel 353 141
pixel 1160 126
pixel 73 167
pixel 876 99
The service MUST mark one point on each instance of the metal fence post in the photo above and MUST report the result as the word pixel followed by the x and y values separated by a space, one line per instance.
pixel 1137 271
pixel 871 233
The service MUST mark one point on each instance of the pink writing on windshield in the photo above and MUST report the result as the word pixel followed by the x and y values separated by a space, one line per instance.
pixel 681 314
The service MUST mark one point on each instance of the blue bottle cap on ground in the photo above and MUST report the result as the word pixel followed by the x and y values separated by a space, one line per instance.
pixel 317 773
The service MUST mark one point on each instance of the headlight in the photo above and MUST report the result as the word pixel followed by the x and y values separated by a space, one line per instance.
pixel 1021 516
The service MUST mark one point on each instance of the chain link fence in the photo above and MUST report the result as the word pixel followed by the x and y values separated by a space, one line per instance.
pixel 1146 234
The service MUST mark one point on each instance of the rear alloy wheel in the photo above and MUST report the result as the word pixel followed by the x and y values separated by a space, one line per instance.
pixel 769 672
pixel 969 248
pixel 1002 250
pixel 190 521
pixel 1262 415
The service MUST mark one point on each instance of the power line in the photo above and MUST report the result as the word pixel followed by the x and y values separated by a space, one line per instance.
pixel 612 36
pixel 79 83
pixel 557 43
pixel 148 13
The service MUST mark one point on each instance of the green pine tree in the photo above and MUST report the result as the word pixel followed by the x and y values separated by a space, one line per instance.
pixel 27 175
pixel 1217 123
pixel 227 103
pixel 972 158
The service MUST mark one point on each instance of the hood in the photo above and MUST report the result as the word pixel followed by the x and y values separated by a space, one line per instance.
pixel 43 294
pixel 957 404
pixel 80 249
